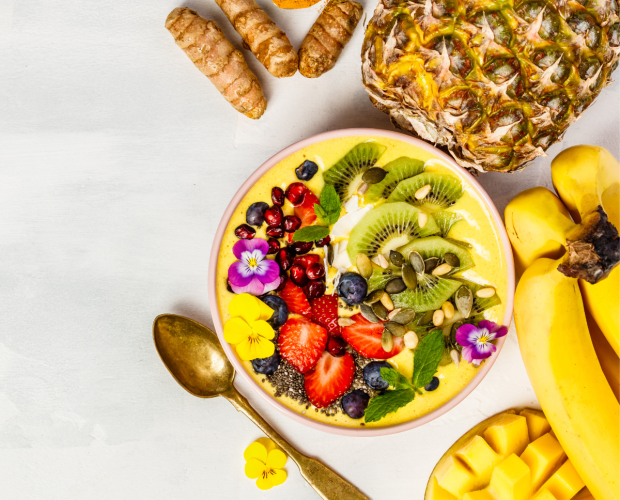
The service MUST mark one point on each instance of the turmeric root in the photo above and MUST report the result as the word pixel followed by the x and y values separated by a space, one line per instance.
pixel 329 34
pixel 207 47
pixel 266 41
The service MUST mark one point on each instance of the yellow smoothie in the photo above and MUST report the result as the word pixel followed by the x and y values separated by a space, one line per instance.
pixel 477 229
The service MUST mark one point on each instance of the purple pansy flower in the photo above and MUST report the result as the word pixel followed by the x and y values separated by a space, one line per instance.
pixel 476 340
pixel 252 273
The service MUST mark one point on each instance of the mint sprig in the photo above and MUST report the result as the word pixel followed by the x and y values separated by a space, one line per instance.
pixel 311 233
pixel 426 360
pixel 327 212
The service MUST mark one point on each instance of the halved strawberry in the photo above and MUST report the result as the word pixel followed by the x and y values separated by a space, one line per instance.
pixel 301 343
pixel 330 379
pixel 305 211
pixel 365 338
pixel 295 299
pixel 325 313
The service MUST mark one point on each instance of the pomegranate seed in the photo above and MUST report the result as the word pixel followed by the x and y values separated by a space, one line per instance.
pixel 295 193
pixel 245 232
pixel 283 280
pixel 315 271
pixel 274 216
pixel 323 242
pixel 275 232
pixel 301 247
pixel 277 196
pixel 284 259
pixel 274 246
pixel 336 346
pixel 298 275
pixel 228 287
pixel 291 223
pixel 314 289
pixel 305 260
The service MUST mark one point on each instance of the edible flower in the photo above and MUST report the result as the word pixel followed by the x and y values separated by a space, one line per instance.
pixel 253 273
pixel 476 340
pixel 264 462
pixel 248 329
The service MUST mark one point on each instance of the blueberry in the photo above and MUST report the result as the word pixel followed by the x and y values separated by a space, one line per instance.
pixel 267 366
pixel 355 403
pixel 372 375
pixel 306 170
pixel 352 288
pixel 432 385
pixel 255 216
pixel 281 310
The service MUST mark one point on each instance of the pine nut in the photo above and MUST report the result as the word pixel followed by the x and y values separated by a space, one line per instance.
pixel 345 321
pixel 363 187
pixel 381 261
pixel 442 269
pixel 411 340
pixel 422 219
pixel 485 293
pixel 421 193
pixel 448 310
pixel 387 302
pixel 456 357
pixel 438 317
pixel 393 313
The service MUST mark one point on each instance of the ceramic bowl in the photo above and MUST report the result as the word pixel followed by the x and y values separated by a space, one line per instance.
pixel 262 170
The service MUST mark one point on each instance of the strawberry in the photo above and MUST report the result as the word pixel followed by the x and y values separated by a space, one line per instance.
pixel 305 211
pixel 330 379
pixel 325 313
pixel 365 338
pixel 295 299
pixel 301 343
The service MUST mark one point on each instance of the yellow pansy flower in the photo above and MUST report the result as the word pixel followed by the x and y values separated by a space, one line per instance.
pixel 264 462
pixel 248 329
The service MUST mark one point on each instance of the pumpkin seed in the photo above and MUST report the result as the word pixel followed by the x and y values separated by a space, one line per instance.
pixel 410 277
pixel 396 285
pixel 374 175
pixel 485 293
pixel 438 317
pixel 345 321
pixel 442 269
pixel 363 265
pixel 421 193
pixel 404 317
pixel 386 300
pixel 430 264
pixel 456 357
pixel 374 297
pixel 380 311
pixel 396 329
pixel 393 313
pixel 453 260
pixel 426 318
pixel 363 187
pixel 417 262
pixel 397 258
pixel 330 254
pixel 366 311
pixel 411 340
pixel 464 300
pixel 387 342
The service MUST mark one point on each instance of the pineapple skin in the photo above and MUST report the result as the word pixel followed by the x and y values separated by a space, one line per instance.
pixel 494 82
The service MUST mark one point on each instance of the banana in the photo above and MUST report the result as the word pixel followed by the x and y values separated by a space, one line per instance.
pixel 610 363
pixel 567 378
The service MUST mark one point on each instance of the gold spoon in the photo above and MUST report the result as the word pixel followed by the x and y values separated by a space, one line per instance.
pixel 194 357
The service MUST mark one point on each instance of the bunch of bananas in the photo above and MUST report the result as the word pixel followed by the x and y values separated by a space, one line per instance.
pixel 568 264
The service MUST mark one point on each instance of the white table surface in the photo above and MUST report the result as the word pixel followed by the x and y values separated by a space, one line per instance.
pixel 117 159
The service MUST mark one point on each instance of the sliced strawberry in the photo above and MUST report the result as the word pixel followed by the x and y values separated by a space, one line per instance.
pixel 295 299
pixel 301 343
pixel 365 338
pixel 330 379
pixel 305 260
pixel 325 313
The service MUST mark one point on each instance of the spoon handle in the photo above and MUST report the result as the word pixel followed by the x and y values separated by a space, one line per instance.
pixel 328 484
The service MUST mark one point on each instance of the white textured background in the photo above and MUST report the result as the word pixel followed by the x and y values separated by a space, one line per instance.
pixel 117 159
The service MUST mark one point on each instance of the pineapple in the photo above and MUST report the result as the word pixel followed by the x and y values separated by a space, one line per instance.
pixel 495 82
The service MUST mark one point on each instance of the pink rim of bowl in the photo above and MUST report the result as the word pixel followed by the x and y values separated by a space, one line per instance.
pixel 215 250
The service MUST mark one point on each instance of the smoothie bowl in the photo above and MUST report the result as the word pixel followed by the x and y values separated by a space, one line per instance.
pixel 361 282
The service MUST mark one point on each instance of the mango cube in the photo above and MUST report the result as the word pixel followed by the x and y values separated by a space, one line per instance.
pixel 509 434
pixel 543 495
pixel 542 456
pixel 511 479
pixel 565 483
pixel 479 495
pixel 438 493
pixel 480 458
pixel 454 477
pixel 537 424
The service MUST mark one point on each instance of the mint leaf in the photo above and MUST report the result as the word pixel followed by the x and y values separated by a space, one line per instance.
pixel 328 211
pixel 395 378
pixel 311 233
pixel 387 402
pixel 427 358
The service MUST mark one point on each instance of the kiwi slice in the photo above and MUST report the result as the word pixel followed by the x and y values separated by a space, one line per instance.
pixel 480 304
pixel 381 277
pixel 346 174
pixel 397 170
pixel 445 190
pixel 386 228
pixel 436 246
pixel 431 293
pixel 446 220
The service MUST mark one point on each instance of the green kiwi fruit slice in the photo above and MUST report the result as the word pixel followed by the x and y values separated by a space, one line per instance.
pixel 346 174
pixel 480 304
pixel 445 190
pixel 397 170
pixel 436 246
pixel 446 220
pixel 381 277
pixel 387 227
pixel 430 294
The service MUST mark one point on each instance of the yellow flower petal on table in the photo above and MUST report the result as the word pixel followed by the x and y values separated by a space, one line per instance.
pixel 276 459
pixel 264 482
pixel 263 328
pixel 255 347
pixel 254 468
pixel 266 312
pixel 278 476
pixel 245 306
pixel 256 450
pixel 236 330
